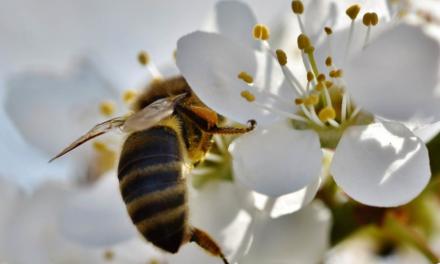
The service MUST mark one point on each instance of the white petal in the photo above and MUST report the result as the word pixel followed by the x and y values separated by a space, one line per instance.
pixel 277 160
pixel 97 216
pixel 382 164
pixel 234 20
pixel 301 237
pixel 210 63
pixel 396 76
pixel 427 132
pixel 219 209
pixel 51 110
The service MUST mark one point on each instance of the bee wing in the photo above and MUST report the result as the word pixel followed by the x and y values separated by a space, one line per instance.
pixel 97 130
pixel 144 119
pixel 152 114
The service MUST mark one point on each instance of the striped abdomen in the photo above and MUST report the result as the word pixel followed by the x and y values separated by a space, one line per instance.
pixel 153 187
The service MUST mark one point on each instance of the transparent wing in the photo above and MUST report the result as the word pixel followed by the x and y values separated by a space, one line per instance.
pixel 152 114
pixel 144 119
pixel 97 130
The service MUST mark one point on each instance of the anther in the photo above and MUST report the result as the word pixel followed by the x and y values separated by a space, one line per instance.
pixel 326 114
pixel 366 19
pixel 311 100
pixel 328 30
pixel 281 56
pixel 329 61
pixel 297 7
pixel 310 76
pixel 261 32
pixel 321 77
pixel 339 73
pixel 353 11
pixel 299 101
pixel 143 58
pixel 319 87
pixel 374 19
pixel 303 42
pixel 100 146
pixel 128 96
pixel 246 94
pixel 328 84
pixel 107 108
pixel 246 77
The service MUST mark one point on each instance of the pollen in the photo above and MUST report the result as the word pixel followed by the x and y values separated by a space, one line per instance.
pixel 333 74
pixel 246 94
pixel 310 76
pixel 282 57
pixel 297 7
pixel 128 96
pixel 143 58
pixel 261 32
pixel 327 113
pixel 312 100
pixel 329 61
pixel 109 255
pixel 328 30
pixel 246 77
pixel 100 146
pixel 303 42
pixel 107 108
pixel 353 11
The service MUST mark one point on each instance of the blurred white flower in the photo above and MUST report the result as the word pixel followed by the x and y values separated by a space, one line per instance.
pixel 376 163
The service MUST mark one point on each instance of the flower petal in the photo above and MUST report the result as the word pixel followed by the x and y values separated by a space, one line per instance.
pixel 397 74
pixel 382 164
pixel 234 20
pixel 211 63
pixel 301 237
pixel 85 216
pixel 277 160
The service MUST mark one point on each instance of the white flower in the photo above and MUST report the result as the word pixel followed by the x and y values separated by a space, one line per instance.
pixel 393 74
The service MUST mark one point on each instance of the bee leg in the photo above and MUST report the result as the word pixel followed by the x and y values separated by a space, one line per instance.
pixel 230 130
pixel 206 242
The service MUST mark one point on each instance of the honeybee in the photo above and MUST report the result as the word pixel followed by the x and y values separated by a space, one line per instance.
pixel 169 130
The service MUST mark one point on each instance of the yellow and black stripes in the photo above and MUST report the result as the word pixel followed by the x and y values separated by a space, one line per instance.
pixel 153 186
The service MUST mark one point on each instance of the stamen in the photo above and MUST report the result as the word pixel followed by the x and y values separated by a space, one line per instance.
pixel 100 146
pixel 329 61
pixel 261 32
pixel 315 117
pixel 328 30
pixel 326 114
pixel 310 76
pixel 352 12
pixel 107 108
pixel 369 20
pixel 329 33
pixel 311 100
pixel 213 157
pixel 355 112
pixel 246 77
pixel 344 107
pixel 144 60
pixel 303 42
pixel 333 123
pixel 297 7
pixel 282 57
pixel 128 96
pixel 246 94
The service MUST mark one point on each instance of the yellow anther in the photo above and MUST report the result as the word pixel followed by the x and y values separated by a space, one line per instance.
pixel 328 84
pixel 109 255
pixel 312 100
pixel 297 7
pixel 310 76
pixel 319 87
pixel 246 77
pixel 143 58
pixel 326 114
pixel 128 96
pixel 282 57
pixel 100 146
pixel 299 101
pixel 366 19
pixel 353 11
pixel 374 19
pixel 321 77
pixel 261 32
pixel 329 61
pixel 107 108
pixel 339 73
pixel 303 41
pixel 246 94
pixel 333 74
pixel 328 30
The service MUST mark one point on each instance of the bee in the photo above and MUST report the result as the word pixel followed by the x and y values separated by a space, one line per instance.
pixel 170 129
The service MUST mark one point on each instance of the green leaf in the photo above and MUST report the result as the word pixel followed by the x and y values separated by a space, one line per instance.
pixel 434 155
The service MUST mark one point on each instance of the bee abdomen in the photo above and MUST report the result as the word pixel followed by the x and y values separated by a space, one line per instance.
pixel 153 187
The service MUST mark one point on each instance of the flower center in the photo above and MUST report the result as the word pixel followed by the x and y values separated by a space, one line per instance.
pixel 323 103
